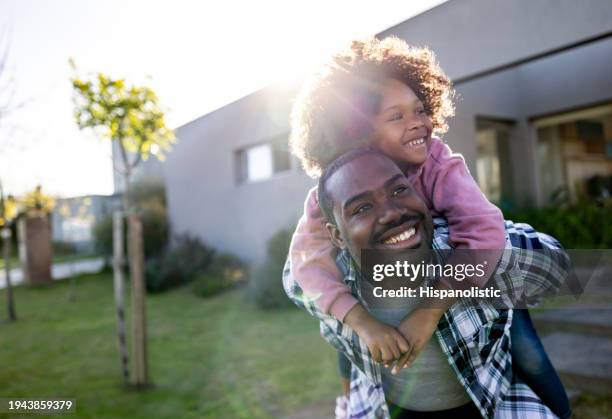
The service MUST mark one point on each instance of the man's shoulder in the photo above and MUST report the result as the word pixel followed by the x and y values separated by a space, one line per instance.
pixel 520 235
pixel 524 236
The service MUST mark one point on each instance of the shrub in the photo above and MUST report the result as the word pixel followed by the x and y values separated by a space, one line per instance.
pixel 150 200
pixel 179 265
pixel 225 271
pixel 154 232
pixel 103 236
pixel 164 273
pixel 207 285
pixel 582 226
pixel 155 228
pixel 61 248
pixel 266 286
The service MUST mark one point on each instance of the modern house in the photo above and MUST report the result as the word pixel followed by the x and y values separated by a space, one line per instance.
pixel 534 121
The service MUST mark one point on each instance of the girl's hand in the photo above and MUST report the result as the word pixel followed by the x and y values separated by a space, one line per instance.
pixel 417 328
pixel 386 344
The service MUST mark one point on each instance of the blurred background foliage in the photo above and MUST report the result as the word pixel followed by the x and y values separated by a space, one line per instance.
pixel 579 226
pixel 150 200
pixel 265 286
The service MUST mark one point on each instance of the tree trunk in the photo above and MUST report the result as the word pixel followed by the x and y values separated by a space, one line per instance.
pixel 136 260
pixel 119 291
pixel 6 254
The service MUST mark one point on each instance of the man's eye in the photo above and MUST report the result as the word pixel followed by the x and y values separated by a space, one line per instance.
pixel 361 209
pixel 421 112
pixel 399 190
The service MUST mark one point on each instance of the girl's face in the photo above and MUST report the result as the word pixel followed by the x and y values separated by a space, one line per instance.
pixel 402 128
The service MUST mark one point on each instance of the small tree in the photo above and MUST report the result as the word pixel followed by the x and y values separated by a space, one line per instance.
pixel 131 117
pixel 37 202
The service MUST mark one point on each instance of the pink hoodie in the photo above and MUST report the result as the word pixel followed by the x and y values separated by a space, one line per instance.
pixel 449 191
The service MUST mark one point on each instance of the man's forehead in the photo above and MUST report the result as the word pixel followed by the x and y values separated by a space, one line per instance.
pixel 364 174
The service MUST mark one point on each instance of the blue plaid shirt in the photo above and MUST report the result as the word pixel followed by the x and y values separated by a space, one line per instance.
pixel 474 336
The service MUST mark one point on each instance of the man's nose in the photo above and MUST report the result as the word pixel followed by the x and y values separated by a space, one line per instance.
pixel 390 213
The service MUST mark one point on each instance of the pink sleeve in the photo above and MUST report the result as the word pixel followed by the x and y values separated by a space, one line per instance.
pixel 474 222
pixel 313 265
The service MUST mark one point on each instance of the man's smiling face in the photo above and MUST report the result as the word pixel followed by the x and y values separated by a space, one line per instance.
pixel 375 207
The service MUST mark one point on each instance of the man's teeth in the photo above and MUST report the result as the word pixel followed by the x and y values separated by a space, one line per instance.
pixel 417 142
pixel 400 237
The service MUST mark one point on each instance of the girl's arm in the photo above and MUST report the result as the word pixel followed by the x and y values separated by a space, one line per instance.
pixel 315 271
pixel 474 223
pixel 313 265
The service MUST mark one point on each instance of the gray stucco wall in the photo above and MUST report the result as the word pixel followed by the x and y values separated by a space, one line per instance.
pixel 469 36
pixel 204 197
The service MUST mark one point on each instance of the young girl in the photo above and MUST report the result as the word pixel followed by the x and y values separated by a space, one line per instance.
pixel 391 96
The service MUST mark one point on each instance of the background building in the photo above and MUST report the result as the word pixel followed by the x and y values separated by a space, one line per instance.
pixel 534 122
pixel 73 219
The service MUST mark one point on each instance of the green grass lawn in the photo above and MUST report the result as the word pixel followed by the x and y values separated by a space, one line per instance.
pixel 211 358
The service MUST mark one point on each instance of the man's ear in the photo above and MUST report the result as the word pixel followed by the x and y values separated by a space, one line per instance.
pixel 335 236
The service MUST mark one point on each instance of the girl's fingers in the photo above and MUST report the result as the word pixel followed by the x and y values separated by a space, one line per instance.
pixel 394 349
pixel 401 363
pixel 386 355
pixel 403 344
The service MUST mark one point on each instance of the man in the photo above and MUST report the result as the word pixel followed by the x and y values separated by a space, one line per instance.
pixel 366 198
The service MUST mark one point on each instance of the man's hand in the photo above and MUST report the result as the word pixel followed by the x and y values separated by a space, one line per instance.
pixel 417 328
pixel 385 343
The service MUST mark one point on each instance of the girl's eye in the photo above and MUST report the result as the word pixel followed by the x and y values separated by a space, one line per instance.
pixel 421 112
pixel 361 209
pixel 396 117
pixel 399 190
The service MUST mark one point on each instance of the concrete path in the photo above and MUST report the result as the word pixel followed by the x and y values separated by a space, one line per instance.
pixel 59 270
pixel 578 340
pixel 583 362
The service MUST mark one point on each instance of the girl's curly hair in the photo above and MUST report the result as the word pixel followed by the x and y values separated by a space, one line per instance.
pixel 333 111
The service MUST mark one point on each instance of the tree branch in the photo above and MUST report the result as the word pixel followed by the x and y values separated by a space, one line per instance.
pixel 138 157
pixel 116 168
pixel 124 157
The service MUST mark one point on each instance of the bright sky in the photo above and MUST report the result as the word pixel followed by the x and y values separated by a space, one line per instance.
pixel 197 55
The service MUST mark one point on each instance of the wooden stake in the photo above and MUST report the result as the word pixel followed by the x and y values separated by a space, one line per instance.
pixel 119 293
pixel 139 335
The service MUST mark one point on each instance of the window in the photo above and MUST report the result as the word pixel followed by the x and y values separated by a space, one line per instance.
pixel 575 156
pixel 259 164
pixel 493 163
pixel 261 161
pixel 77 229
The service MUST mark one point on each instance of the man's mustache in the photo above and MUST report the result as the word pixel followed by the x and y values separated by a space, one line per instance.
pixel 412 218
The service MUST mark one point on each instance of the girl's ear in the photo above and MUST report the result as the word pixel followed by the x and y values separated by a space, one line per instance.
pixel 335 236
